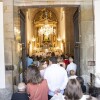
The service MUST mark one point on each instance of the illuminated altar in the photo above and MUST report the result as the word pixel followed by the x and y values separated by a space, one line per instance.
pixel 45 33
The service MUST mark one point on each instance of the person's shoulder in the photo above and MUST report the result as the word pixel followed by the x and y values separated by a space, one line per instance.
pixel 44 84
pixel 47 70
pixel 18 93
pixel 68 66
pixel 30 85
pixel 85 97
pixel 31 59
pixel 73 77
pixel 62 68
pixel 49 67
pixel 44 81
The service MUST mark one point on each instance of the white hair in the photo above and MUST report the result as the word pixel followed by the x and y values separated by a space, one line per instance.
pixel 71 59
pixel 21 86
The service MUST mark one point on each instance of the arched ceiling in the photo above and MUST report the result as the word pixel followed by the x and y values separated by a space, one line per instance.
pixel 45 14
pixel 55 11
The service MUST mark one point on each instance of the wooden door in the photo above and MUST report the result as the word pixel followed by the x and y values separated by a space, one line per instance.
pixel 76 40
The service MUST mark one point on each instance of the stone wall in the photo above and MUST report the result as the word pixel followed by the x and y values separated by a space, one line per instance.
pixel 9 49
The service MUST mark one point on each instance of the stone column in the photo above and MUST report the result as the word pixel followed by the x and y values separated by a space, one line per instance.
pixel 2 63
pixel 86 38
pixel 5 94
pixel 97 35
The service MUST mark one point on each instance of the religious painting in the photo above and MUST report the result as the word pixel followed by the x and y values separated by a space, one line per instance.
pixel 45 38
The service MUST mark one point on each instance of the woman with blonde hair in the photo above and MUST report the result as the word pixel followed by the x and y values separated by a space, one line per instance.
pixel 37 87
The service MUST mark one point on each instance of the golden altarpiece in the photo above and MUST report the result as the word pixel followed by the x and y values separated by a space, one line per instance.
pixel 45 24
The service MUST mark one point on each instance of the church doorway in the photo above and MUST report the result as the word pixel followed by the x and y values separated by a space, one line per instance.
pixel 43 29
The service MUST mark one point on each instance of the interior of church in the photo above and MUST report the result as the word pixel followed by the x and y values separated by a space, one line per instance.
pixel 46 29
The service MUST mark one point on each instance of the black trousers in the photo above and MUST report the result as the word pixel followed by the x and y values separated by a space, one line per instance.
pixel 49 97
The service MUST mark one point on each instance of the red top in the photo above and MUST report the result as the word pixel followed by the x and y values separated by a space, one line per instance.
pixel 66 61
pixel 38 91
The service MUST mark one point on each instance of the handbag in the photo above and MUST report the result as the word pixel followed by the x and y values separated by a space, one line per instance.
pixel 57 96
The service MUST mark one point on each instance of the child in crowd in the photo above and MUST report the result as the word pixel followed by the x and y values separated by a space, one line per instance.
pixel 72 75
pixel 21 94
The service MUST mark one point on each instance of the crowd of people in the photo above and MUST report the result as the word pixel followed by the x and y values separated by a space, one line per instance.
pixel 51 76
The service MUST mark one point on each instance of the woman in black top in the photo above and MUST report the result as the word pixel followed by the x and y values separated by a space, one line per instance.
pixel 81 81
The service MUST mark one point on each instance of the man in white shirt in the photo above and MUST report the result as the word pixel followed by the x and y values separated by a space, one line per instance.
pixel 71 66
pixel 56 77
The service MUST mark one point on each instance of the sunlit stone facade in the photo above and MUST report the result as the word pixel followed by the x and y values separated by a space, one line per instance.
pixel 86 36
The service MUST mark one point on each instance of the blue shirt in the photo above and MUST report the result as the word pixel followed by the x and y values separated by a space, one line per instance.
pixel 29 61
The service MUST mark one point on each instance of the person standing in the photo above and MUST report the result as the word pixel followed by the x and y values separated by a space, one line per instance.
pixel 29 60
pixel 56 77
pixel 60 62
pixel 21 94
pixel 71 66
pixel 66 60
pixel 72 75
pixel 36 86
pixel 73 91
pixel 81 81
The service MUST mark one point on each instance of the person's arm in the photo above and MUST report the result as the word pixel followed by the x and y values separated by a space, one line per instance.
pixel 67 70
pixel 64 83
pixel 46 76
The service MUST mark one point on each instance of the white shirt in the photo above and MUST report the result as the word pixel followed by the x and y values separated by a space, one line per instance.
pixel 42 72
pixel 72 77
pixel 56 77
pixel 71 66
pixel 84 97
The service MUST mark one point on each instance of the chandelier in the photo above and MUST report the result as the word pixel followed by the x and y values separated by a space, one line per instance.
pixel 46 29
